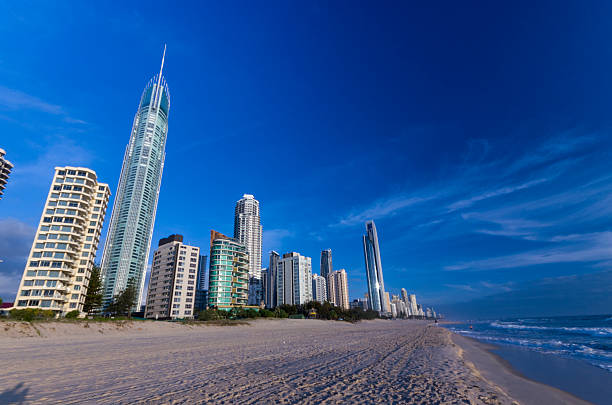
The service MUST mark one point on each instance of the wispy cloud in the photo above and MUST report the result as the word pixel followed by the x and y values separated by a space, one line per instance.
pixel 592 247
pixel 273 238
pixel 381 209
pixel 14 100
pixel 494 193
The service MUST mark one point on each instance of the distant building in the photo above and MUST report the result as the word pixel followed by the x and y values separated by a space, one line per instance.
pixel 247 230
pixel 359 304
pixel 229 272
pixel 57 272
pixel 173 282
pixel 376 285
pixel 414 310
pixel 270 291
pixel 201 296
pixel 5 171
pixel 319 288
pixel 294 279
pixel 326 267
pixel 339 289
pixel 386 302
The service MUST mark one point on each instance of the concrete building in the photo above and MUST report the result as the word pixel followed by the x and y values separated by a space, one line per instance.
pixel 229 272
pixel 414 310
pixel 270 291
pixel 374 273
pixel 57 272
pixel 247 230
pixel 359 304
pixel 294 279
pixel 126 252
pixel 319 288
pixel 173 283
pixel 5 171
pixel 338 287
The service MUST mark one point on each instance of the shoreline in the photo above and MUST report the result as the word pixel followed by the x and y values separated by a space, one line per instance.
pixel 281 361
pixel 498 371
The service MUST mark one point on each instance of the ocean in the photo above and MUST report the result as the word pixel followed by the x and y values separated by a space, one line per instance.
pixel 586 338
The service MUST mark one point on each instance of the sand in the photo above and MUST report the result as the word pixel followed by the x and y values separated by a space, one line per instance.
pixel 266 361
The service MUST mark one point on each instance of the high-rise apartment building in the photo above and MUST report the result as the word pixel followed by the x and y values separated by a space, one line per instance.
pixel 326 263
pixel 128 241
pixel 57 272
pixel 172 287
pixel 294 279
pixel 414 310
pixel 247 230
pixel 376 285
pixel 201 301
pixel 338 287
pixel 5 171
pixel 270 293
pixel 319 288
pixel 229 272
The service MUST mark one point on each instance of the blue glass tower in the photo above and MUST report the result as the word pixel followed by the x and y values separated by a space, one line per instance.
pixel 376 285
pixel 126 251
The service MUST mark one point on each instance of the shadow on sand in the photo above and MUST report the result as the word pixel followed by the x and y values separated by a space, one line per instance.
pixel 16 395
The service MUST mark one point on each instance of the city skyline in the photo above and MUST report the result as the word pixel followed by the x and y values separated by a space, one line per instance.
pixel 480 186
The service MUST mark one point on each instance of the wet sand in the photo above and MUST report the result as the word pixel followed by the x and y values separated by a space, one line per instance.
pixel 267 361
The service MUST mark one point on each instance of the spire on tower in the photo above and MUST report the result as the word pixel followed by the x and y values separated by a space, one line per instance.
pixel 158 93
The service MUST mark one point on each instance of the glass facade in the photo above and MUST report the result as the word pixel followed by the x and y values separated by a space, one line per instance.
pixel 376 285
pixel 129 235
pixel 229 273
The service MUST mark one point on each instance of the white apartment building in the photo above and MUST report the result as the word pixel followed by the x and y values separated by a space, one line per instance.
pixel 319 288
pixel 172 285
pixel 294 279
pixel 57 272
pixel 338 289
pixel 5 171
pixel 247 230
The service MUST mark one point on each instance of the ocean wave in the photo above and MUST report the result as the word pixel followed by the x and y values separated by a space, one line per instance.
pixel 600 331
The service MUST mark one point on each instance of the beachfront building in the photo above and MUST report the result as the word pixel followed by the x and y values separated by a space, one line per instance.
pixel 247 230
pixel 57 272
pixel 294 279
pixel 378 300
pixel 269 284
pixel 319 288
pixel 338 287
pixel 172 285
pixel 5 171
pixel 128 241
pixel 414 310
pixel 229 272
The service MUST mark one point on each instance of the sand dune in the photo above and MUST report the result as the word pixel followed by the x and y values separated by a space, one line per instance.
pixel 267 361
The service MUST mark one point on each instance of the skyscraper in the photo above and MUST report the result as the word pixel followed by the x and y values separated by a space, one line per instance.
pixel 270 294
pixel 338 286
pixel 376 285
pixel 173 279
pixel 229 272
pixel 5 171
pixel 326 262
pixel 128 241
pixel 294 279
pixel 319 288
pixel 57 272
pixel 247 230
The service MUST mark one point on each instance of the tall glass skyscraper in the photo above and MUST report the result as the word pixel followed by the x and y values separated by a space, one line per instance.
pixel 126 251
pixel 376 285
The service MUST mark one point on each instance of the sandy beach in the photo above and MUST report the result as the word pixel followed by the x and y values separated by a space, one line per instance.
pixel 266 361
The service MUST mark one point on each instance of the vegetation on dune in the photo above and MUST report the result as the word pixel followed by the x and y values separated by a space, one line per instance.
pixel 324 311
pixel 31 314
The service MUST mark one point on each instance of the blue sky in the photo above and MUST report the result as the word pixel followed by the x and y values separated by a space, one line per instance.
pixel 476 135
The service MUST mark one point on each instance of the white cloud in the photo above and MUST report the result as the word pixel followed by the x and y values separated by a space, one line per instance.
pixel 16 100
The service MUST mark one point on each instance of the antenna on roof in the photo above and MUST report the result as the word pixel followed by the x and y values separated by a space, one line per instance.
pixel 157 88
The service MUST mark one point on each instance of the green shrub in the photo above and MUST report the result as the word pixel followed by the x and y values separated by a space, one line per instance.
pixel 73 314
pixel 30 314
